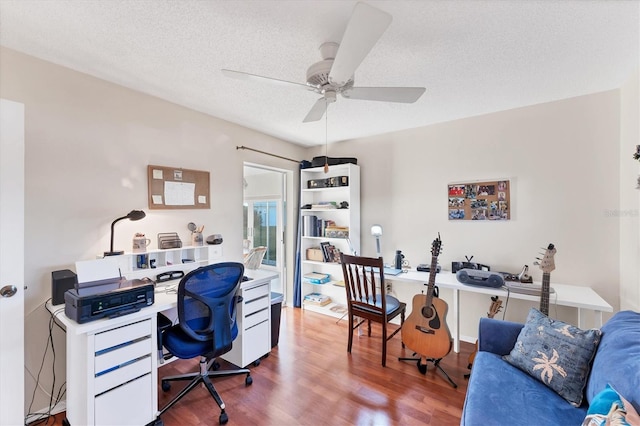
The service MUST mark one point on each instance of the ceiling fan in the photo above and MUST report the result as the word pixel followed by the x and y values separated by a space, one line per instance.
pixel 334 74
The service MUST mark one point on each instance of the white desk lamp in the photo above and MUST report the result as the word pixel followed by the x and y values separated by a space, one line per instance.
pixel 376 231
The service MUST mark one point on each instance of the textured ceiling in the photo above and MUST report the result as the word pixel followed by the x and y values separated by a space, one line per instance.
pixel 473 57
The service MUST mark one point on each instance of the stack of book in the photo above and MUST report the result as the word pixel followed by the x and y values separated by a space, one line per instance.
pixel 317 278
pixel 317 299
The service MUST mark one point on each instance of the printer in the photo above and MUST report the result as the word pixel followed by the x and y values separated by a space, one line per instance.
pixel 101 292
pixel 107 299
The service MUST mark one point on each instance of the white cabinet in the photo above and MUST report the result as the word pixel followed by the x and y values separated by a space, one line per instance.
pixel 110 363
pixel 254 319
pixel 332 208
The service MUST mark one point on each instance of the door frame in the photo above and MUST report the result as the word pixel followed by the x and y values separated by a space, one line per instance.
pixel 12 169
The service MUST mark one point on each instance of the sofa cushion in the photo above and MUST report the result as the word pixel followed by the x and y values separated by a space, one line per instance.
pixel 617 360
pixel 500 394
pixel 555 353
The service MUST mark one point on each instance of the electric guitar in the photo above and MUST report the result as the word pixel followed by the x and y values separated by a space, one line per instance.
pixel 494 308
pixel 425 331
pixel 547 265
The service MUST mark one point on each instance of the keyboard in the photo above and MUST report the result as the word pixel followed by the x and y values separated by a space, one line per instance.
pixel 526 288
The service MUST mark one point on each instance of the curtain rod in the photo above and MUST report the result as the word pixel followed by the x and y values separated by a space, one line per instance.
pixel 267 153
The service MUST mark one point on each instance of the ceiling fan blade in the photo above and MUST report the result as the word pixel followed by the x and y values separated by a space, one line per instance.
pixel 317 111
pixel 366 26
pixel 407 95
pixel 246 76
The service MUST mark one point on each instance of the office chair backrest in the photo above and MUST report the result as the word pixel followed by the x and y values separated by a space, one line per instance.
pixel 364 281
pixel 207 303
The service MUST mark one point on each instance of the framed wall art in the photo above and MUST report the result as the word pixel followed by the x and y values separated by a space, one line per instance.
pixel 488 200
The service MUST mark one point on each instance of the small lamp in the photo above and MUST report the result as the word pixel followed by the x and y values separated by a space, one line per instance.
pixel 133 215
pixel 376 231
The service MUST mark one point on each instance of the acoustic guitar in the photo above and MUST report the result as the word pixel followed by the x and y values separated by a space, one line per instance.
pixel 494 308
pixel 547 264
pixel 425 331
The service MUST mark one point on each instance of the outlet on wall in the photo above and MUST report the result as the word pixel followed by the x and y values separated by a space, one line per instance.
pixel 389 287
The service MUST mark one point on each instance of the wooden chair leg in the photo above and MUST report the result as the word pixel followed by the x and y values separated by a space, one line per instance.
pixel 384 344
pixel 350 342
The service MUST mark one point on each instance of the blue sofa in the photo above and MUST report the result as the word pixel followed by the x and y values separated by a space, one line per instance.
pixel 501 394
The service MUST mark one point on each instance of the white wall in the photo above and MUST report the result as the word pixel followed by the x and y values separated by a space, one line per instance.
pixel 628 216
pixel 88 144
pixel 562 159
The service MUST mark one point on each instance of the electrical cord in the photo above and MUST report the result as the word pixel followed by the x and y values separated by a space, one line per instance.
pixel 34 419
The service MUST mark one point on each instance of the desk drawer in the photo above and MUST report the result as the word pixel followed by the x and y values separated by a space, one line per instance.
pixel 129 404
pixel 256 292
pixel 254 318
pixel 122 355
pixel 257 341
pixel 122 374
pixel 120 335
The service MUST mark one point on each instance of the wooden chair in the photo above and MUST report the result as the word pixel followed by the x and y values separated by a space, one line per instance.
pixel 366 301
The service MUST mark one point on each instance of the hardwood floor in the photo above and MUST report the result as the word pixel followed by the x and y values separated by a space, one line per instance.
pixel 310 379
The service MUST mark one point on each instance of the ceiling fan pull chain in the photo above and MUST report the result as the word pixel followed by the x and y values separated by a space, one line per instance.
pixel 326 137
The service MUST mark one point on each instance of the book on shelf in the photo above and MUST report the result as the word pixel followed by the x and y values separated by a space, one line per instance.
pixel 317 278
pixel 317 299
pixel 325 205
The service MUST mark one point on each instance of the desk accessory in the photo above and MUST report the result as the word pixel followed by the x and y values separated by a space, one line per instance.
pixel 480 278
pixel 167 240
pixel 140 243
pixel 133 215
pixel 61 281
pixel 376 231
pixel 214 239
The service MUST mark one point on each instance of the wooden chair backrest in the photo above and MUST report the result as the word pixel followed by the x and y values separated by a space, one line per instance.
pixel 364 282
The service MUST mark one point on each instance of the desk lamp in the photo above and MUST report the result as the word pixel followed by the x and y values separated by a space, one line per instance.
pixel 376 231
pixel 133 215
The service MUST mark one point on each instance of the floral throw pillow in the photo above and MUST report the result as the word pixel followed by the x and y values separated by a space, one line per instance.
pixel 555 353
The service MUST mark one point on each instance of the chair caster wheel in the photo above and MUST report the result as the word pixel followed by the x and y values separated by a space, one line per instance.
pixel 256 362
pixel 422 368
pixel 223 419
pixel 248 380
pixel 166 386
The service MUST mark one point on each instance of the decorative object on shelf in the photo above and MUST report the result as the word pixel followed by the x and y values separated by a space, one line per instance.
pixel 196 233
pixel 480 200
pixel 133 215
pixel 376 231
pixel 140 243
pixel 214 239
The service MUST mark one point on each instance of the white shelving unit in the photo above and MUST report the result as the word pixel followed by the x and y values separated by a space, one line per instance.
pixel 347 217
pixel 187 258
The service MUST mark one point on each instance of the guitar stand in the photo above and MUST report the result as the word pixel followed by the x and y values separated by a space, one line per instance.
pixel 423 368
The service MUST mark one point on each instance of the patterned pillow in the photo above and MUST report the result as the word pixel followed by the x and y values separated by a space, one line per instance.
pixel 555 353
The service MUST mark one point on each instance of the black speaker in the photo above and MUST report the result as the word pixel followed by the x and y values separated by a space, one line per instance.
pixel 61 281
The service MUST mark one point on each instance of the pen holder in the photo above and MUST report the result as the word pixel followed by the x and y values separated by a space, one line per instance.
pixel 196 239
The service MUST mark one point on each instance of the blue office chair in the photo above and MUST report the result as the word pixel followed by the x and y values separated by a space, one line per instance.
pixel 207 327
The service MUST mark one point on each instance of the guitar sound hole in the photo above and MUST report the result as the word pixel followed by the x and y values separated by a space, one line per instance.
pixel 427 311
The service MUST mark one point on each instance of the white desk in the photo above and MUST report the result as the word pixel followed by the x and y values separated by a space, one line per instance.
pixel 112 365
pixel 565 295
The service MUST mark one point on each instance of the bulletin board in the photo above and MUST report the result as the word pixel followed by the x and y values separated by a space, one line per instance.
pixel 175 188
pixel 480 200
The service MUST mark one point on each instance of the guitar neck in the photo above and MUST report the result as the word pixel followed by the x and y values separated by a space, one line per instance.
pixel 432 279
pixel 544 294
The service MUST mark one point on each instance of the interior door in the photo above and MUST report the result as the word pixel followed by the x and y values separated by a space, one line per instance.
pixel 11 263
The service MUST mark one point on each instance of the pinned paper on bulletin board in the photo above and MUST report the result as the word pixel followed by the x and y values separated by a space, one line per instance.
pixel 176 188
pixel 488 200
